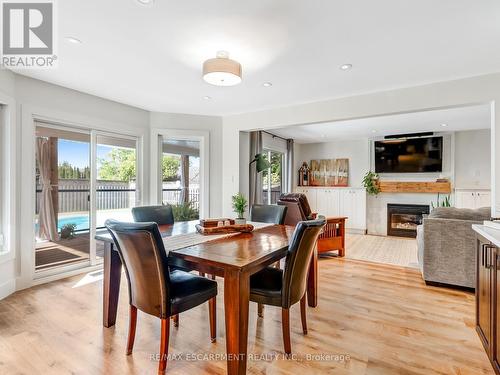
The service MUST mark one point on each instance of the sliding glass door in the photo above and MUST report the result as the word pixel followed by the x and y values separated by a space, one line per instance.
pixel 83 178
pixel 62 191
pixel 272 178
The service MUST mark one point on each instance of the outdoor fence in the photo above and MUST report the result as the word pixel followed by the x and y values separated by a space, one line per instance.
pixel 74 195
pixel 275 194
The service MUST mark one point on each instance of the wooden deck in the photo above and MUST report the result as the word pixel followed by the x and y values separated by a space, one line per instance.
pixel 371 319
pixel 50 254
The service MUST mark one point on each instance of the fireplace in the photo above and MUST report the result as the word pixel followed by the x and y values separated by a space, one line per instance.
pixel 402 219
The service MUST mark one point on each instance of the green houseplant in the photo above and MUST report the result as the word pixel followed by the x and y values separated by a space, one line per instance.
pixel 370 183
pixel 185 212
pixel 239 206
pixel 68 231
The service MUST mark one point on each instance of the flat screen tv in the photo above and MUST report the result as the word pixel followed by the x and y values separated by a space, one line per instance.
pixel 412 155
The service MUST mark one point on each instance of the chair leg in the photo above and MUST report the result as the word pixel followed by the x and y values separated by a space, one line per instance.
pixel 212 311
pixel 175 319
pixel 285 325
pixel 165 334
pixel 201 273
pixel 131 329
pixel 303 313
pixel 260 310
pixel 213 277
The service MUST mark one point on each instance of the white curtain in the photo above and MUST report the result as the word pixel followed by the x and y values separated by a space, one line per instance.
pixel 47 228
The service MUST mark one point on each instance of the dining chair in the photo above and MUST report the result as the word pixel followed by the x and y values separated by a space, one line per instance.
pixel 153 287
pixel 284 288
pixel 161 214
pixel 268 213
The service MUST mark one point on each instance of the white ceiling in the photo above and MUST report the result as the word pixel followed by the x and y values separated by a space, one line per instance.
pixel 464 118
pixel 151 56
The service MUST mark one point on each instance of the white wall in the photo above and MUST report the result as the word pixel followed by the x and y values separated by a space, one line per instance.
pixel 473 159
pixel 474 90
pixel 213 125
pixel 357 151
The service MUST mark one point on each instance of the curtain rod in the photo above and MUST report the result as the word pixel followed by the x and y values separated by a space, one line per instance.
pixel 274 135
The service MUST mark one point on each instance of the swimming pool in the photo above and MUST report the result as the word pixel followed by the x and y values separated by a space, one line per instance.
pixel 82 220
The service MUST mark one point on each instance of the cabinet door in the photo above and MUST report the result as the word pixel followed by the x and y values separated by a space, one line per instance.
pixel 484 293
pixel 465 199
pixel 334 203
pixel 360 208
pixel 347 207
pixel 483 199
pixel 322 198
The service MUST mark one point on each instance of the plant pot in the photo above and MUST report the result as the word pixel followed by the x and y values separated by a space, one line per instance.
pixel 240 221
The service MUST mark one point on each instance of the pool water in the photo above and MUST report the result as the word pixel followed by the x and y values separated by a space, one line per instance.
pixel 81 221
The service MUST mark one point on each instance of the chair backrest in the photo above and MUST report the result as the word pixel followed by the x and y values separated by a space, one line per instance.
pixel 298 207
pixel 268 213
pixel 146 265
pixel 298 258
pixel 157 214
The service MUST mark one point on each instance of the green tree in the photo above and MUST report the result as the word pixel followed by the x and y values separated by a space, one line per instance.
pixel 119 165
pixel 170 167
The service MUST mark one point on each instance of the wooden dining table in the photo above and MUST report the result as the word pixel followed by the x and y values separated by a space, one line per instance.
pixel 235 258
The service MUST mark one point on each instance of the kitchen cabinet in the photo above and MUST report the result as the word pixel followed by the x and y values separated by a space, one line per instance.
pixel 466 198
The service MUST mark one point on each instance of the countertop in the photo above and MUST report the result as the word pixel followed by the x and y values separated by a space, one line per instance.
pixel 491 234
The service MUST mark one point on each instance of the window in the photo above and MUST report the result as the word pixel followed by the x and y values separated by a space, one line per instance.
pixel 272 178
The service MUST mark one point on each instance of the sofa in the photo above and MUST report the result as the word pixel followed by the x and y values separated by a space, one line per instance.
pixel 446 245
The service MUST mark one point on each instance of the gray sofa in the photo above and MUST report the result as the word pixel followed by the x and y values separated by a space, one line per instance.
pixel 446 245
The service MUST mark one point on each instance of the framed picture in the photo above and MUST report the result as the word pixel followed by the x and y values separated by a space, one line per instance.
pixel 330 172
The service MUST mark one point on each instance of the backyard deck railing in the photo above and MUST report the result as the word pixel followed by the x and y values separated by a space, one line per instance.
pixel 74 195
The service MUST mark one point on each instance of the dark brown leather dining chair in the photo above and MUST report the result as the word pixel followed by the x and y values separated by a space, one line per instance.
pixel 284 288
pixel 153 287
pixel 268 213
pixel 161 214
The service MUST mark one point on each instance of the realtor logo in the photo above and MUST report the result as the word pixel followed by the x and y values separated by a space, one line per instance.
pixel 28 34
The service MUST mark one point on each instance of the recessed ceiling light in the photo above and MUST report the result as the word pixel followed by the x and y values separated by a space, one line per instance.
pixel 267 84
pixel 374 131
pixel 145 2
pixel 206 97
pixel 444 125
pixel 346 67
pixel 73 40
pixel 323 136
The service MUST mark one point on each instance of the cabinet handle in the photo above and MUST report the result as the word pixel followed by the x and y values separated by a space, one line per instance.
pixel 488 253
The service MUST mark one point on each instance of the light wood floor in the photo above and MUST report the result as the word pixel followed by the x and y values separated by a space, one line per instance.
pixel 382 317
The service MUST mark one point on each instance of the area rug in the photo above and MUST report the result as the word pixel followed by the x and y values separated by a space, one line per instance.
pixel 397 251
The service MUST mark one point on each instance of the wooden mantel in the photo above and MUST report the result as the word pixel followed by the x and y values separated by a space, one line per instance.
pixel 414 187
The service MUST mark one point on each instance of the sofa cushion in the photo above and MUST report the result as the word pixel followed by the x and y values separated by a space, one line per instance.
pixel 480 214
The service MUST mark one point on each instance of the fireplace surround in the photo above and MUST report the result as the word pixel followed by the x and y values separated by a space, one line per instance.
pixel 402 219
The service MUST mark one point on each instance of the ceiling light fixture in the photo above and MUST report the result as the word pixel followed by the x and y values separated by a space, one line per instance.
pixel 374 131
pixel 73 40
pixel 444 125
pixel 145 2
pixel 267 84
pixel 206 97
pixel 346 67
pixel 222 71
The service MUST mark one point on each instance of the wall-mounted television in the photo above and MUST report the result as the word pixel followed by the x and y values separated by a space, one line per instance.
pixel 409 155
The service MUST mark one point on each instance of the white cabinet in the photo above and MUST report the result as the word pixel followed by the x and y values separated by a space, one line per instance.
pixel 353 205
pixel 465 198
pixel 350 202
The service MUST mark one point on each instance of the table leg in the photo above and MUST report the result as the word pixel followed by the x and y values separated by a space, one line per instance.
pixel 236 299
pixel 312 281
pixel 111 287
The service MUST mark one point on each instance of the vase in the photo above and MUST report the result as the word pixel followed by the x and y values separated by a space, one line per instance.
pixel 240 221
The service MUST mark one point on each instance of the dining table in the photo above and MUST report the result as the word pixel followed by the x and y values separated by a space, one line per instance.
pixel 234 257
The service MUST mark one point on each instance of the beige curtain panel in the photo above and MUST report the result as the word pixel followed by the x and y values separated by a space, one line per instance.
pixel 47 227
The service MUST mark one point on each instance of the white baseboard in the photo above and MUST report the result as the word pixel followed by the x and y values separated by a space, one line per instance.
pixel 7 288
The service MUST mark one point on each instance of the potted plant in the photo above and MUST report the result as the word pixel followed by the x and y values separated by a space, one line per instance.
pixel 370 182
pixel 68 231
pixel 239 206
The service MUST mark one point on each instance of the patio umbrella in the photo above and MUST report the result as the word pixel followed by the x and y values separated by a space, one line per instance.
pixel 47 228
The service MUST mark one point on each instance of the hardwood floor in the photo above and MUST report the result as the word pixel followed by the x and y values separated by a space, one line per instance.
pixel 382 318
